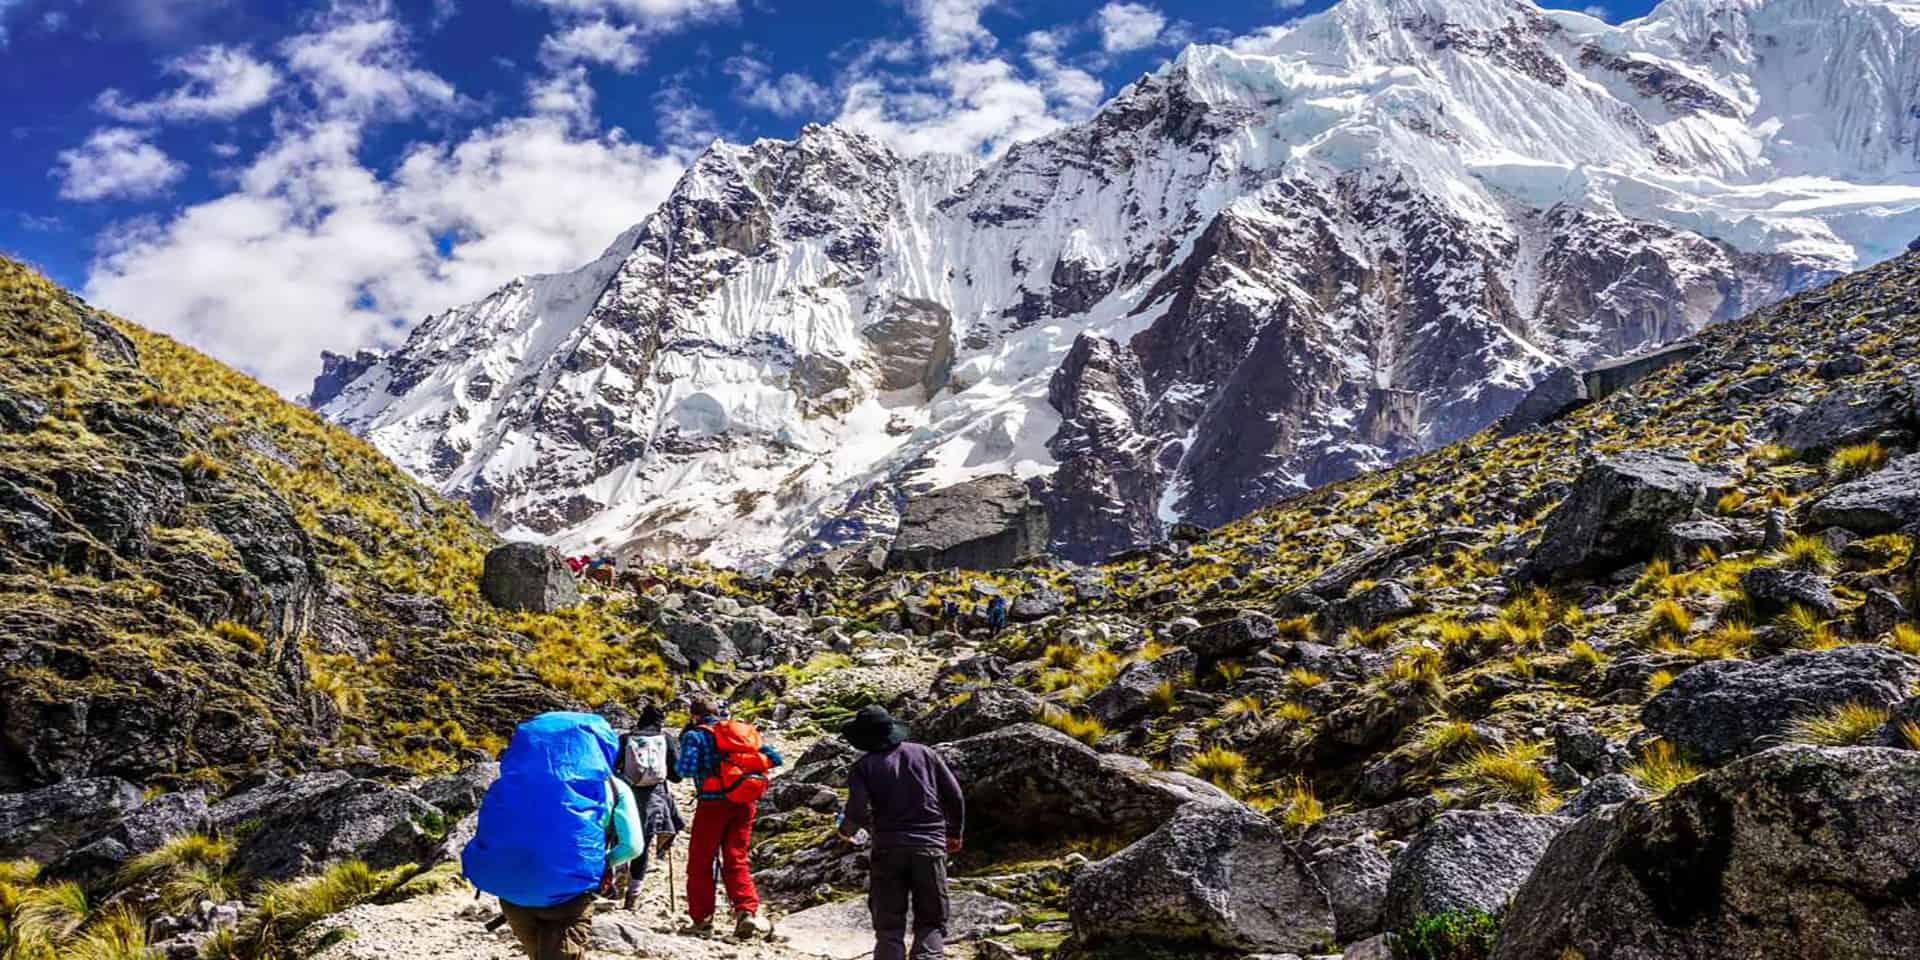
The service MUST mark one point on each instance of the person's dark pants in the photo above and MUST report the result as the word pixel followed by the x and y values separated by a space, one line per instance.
pixel 907 880
pixel 560 932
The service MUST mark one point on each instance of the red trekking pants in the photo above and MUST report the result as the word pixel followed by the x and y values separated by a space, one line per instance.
pixel 726 828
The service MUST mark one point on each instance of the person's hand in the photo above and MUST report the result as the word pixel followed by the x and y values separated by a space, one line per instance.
pixel 955 845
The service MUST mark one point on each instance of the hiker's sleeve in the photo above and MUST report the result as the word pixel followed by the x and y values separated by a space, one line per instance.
pixel 773 755
pixel 689 763
pixel 953 802
pixel 859 805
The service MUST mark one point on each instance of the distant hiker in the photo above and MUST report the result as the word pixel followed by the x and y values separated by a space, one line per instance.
pixel 950 614
pixel 909 801
pixel 997 613
pixel 551 831
pixel 729 761
pixel 647 760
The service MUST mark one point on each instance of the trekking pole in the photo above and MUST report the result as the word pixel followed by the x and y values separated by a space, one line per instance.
pixel 673 897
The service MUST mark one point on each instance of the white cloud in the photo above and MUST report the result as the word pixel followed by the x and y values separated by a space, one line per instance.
pixel 964 106
pixel 686 127
pixel 790 94
pixel 314 250
pixel 1073 90
pixel 218 83
pixel 566 94
pixel 1597 12
pixel 654 16
pixel 1126 27
pixel 594 41
pixel 357 65
pixel 951 26
pixel 115 162
pixel 1289 4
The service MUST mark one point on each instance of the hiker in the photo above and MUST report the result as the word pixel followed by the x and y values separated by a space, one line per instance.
pixel 916 816
pixel 729 761
pixel 997 614
pixel 950 614
pixel 647 759
pixel 552 830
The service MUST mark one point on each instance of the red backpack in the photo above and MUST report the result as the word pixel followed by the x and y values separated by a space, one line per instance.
pixel 741 775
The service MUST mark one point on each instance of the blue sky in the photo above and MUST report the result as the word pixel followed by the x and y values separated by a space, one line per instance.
pixel 269 178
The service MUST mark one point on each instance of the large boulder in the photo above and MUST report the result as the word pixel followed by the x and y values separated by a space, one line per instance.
pixel 1466 860
pixel 1881 502
pixel 45 823
pixel 1356 877
pixel 528 576
pixel 1720 710
pixel 1851 414
pixel 1795 852
pixel 1557 393
pixel 1236 636
pixel 294 826
pixel 1035 783
pixel 975 712
pixel 1618 512
pixel 458 794
pixel 1130 696
pixel 144 829
pixel 1216 875
pixel 983 524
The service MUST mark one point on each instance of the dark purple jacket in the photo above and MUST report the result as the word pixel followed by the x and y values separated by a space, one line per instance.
pixel 907 797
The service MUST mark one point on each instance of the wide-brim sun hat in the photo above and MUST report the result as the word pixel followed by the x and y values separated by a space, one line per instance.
pixel 874 729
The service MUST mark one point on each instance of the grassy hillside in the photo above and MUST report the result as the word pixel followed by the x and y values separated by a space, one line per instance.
pixel 198 578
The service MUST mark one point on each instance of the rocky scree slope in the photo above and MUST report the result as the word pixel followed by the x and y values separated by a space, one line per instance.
pixel 199 581
pixel 1253 271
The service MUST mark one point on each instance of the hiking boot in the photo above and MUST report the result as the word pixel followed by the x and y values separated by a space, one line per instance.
pixel 747 926
pixel 627 904
pixel 702 929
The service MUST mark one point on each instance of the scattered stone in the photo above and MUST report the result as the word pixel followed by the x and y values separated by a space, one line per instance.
pixel 1720 710
pixel 1607 791
pixel 1845 415
pixel 1796 852
pixel 1216 875
pixel 1235 636
pixel 1129 697
pixel 1773 590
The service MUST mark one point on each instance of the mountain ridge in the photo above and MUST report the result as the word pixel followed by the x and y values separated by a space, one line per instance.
pixel 1393 209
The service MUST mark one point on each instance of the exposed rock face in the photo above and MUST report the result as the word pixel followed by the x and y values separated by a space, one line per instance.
pixel 1796 852
pixel 1723 709
pixel 982 524
pixel 1618 510
pixel 983 710
pixel 528 576
pixel 1033 781
pixel 1604 380
pixel 913 344
pixel 45 823
pixel 143 829
pixel 1215 875
pixel 1882 502
pixel 299 825
pixel 1103 496
pixel 336 371
pixel 1466 860
pixel 1560 392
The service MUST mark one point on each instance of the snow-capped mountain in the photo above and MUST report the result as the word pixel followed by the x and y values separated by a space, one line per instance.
pixel 1258 269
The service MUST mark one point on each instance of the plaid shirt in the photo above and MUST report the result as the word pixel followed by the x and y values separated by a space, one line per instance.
pixel 699 758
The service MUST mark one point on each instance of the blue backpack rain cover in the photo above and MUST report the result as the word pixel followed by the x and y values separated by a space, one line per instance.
pixel 542 837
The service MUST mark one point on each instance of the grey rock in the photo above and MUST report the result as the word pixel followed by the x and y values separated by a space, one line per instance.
pixel 1685 540
pixel 1607 791
pixel 528 576
pixel 913 343
pixel 1882 502
pixel 44 824
pixel 983 710
pixel 1560 392
pixel 1356 877
pixel 1609 378
pixel 1396 820
pixel 1466 860
pixel 1128 697
pixel 1234 636
pixel 1381 603
pixel 1881 612
pixel 1035 604
pixel 1216 875
pixel 1796 852
pixel 698 639
pixel 1720 710
pixel 1618 511
pixel 1034 782
pixel 1772 590
pixel 983 524
pixel 1845 415
pixel 291 827
pixel 458 794
pixel 146 828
